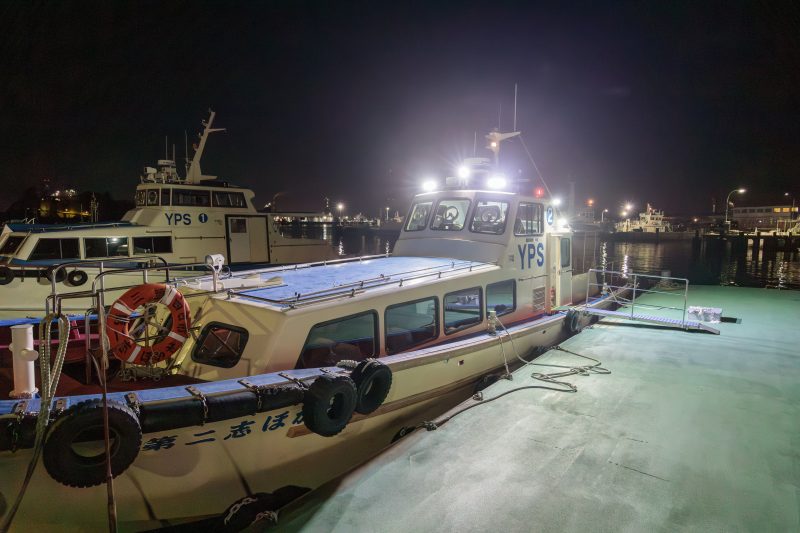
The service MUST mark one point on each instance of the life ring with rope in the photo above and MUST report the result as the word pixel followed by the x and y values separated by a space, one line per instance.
pixel 125 347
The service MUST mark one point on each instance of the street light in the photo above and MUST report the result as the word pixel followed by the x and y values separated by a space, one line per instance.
pixel 387 213
pixel 728 203
pixel 791 211
pixel 603 214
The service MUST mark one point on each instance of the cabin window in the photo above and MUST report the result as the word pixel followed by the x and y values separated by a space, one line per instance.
pixel 410 324
pixel 229 199
pixel 489 217
pixel 462 309
pixel 55 249
pixel 529 219
pixel 191 198
pixel 566 249
pixel 164 196
pixel 450 215
pixel 501 297
pixel 12 244
pixel 152 196
pixel 152 245
pixel 106 247
pixel 418 219
pixel 220 345
pixel 353 337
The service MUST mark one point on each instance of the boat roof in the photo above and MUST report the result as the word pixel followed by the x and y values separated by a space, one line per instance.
pixel 304 284
pixel 46 228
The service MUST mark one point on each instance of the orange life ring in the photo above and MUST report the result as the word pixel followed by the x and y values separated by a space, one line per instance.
pixel 124 347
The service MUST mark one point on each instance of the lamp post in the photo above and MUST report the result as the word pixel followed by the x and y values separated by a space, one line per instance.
pixel 603 214
pixel 387 214
pixel 791 211
pixel 728 203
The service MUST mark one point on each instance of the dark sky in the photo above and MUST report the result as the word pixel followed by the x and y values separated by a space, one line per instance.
pixel 666 102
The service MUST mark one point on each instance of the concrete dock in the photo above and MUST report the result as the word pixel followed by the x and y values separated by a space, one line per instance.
pixel 689 432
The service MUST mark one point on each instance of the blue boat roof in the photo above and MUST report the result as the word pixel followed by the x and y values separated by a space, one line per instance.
pixel 335 276
pixel 44 228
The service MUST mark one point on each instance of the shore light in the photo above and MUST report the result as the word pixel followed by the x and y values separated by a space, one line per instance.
pixel 429 185
pixel 556 202
pixel 463 171
pixel 628 206
pixel 497 181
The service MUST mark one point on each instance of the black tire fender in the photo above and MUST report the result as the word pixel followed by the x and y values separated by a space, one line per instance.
pixel 76 278
pixel 48 274
pixel 328 404
pixel 373 380
pixel 84 422
pixel 6 275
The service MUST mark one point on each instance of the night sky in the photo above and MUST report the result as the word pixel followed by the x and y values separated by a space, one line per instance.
pixel 666 102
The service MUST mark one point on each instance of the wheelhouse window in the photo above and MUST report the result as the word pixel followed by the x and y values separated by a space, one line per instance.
pixel 141 197
pixel 418 219
pixel 529 219
pixel 411 323
pixel 450 214
pixel 220 345
pixel 229 199
pixel 489 217
pixel 191 198
pixel 152 245
pixel 462 309
pixel 501 297
pixel 11 245
pixel 47 249
pixel 353 337
pixel 165 197
pixel 152 196
pixel 566 250
pixel 106 247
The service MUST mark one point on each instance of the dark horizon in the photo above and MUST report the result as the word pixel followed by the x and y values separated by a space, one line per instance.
pixel 667 104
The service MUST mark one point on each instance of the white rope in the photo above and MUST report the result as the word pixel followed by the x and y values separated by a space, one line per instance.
pixel 49 378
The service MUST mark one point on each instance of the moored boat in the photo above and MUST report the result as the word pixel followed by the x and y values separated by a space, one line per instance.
pixel 281 378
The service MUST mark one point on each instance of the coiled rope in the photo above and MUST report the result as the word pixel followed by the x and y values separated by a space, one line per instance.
pixel 49 384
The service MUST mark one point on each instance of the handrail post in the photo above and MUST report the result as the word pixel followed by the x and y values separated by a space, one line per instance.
pixel 633 300
pixel 685 301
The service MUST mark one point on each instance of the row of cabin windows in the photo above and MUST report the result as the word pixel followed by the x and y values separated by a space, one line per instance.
pixel 489 216
pixel 96 247
pixel 355 337
pixel 189 198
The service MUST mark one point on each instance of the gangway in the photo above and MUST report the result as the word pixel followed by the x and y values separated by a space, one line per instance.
pixel 615 283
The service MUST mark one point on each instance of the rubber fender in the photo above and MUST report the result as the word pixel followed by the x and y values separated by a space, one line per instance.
pixel 231 405
pixel 373 380
pixel 76 278
pixel 84 422
pixel 328 404
pixel 61 275
pixel 6 275
pixel 160 416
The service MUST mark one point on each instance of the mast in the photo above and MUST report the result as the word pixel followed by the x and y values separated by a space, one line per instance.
pixel 195 175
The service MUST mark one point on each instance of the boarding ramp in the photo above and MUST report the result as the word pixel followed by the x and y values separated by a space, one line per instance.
pixel 645 298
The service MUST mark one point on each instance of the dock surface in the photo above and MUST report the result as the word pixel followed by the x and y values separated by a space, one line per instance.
pixel 689 432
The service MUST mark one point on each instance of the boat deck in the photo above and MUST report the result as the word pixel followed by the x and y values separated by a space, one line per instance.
pixel 689 432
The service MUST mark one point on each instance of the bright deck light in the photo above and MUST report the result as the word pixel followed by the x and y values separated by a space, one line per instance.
pixel 428 185
pixel 463 171
pixel 498 181
pixel 742 191
pixel 556 202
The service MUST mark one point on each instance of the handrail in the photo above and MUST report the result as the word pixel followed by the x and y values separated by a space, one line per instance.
pixel 635 287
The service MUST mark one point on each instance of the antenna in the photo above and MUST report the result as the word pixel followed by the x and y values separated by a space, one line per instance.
pixel 186 150
pixel 499 115
pixel 166 147
pixel 515 108
pixel 475 145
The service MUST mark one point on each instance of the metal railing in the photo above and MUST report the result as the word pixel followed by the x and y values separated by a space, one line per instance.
pixel 614 282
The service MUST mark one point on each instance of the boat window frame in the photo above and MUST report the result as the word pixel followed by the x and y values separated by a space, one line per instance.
pixel 151 237
pixel 155 194
pixel 166 196
pixel 106 238
pixel 207 329
pixel 60 248
pixel 230 195
pixel 481 303
pixel 10 239
pixel 195 193
pixel 480 199
pixel 540 219
pixel 513 296
pixel 424 226
pixel 376 350
pixel 467 212
pixel 436 322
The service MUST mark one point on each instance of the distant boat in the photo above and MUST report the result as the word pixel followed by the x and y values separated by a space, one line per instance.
pixel 177 221
pixel 650 221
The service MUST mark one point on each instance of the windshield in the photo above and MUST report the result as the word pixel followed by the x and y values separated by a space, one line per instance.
pixel 450 214
pixel 11 245
pixel 418 218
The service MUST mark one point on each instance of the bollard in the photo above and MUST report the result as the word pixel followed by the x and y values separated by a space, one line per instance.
pixel 24 356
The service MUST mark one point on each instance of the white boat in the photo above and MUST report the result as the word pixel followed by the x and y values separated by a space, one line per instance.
pixel 282 378
pixel 176 220
pixel 650 221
